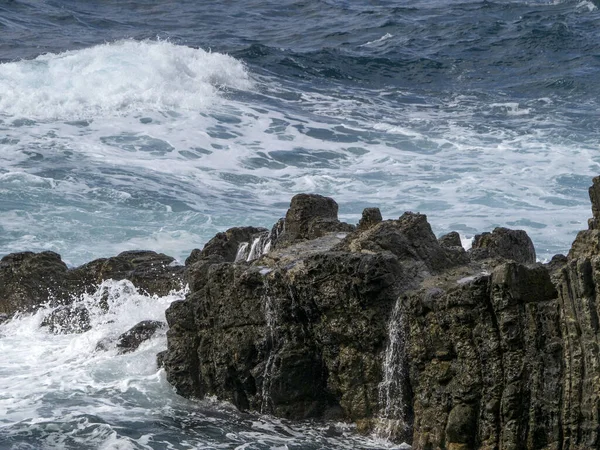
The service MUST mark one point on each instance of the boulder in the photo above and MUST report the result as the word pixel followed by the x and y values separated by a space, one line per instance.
pixel 370 217
pixel 152 273
pixel 451 239
pixel 310 216
pixel 504 243
pixel 28 280
pixel 139 333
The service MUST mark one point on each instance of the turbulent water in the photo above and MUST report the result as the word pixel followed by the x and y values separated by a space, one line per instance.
pixel 153 125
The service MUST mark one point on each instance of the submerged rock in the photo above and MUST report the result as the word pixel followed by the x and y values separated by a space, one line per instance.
pixel 68 319
pixel 139 333
pixel 134 337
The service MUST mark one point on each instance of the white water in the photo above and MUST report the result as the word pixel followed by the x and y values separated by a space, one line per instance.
pixel 57 391
pixel 392 400
pixel 153 145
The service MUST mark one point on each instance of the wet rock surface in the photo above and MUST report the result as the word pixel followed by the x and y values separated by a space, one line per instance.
pixel 400 332
pixel 503 243
pixel 28 280
pixel 139 333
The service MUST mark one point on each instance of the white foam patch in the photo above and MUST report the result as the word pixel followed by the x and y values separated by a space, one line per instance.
pixel 383 38
pixel 117 78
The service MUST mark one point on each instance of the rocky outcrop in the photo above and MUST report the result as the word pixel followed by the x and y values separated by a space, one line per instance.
pixel 503 243
pixel 405 334
pixel 310 217
pixel 382 324
pixel 28 280
pixel 484 360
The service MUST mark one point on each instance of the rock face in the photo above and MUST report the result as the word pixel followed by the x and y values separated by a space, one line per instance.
pixel 405 334
pixel 28 280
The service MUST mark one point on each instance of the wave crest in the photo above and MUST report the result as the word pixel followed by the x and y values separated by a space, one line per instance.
pixel 117 78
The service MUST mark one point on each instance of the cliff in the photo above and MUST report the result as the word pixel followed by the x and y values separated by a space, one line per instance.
pixel 385 325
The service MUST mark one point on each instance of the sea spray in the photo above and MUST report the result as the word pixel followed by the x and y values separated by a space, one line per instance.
pixel 393 422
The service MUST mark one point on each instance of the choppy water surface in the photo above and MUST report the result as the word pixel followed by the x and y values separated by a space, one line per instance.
pixel 153 125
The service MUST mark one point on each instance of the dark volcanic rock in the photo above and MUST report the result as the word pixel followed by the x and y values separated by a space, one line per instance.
pixel 68 319
pixel 151 272
pixel 451 239
pixel 399 331
pixel 485 360
pixel 504 243
pixel 310 216
pixel 141 332
pixel 594 192
pixel 409 238
pixel 28 280
pixel 370 217
pixel 300 332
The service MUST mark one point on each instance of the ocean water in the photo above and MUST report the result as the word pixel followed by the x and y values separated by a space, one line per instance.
pixel 153 125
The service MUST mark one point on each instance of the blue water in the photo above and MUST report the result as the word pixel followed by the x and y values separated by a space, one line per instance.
pixel 130 125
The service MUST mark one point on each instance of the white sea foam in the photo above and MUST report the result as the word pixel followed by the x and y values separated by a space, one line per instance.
pixel 588 5
pixel 117 78
pixel 165 176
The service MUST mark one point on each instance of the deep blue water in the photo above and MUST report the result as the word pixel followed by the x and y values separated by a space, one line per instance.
pixel 154 124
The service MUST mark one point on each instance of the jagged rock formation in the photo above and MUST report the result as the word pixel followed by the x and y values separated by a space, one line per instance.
pixel 28 280
pixel 387 326
pixel 381 324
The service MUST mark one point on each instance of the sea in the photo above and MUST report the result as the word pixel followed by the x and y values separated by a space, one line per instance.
pixel 153 124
